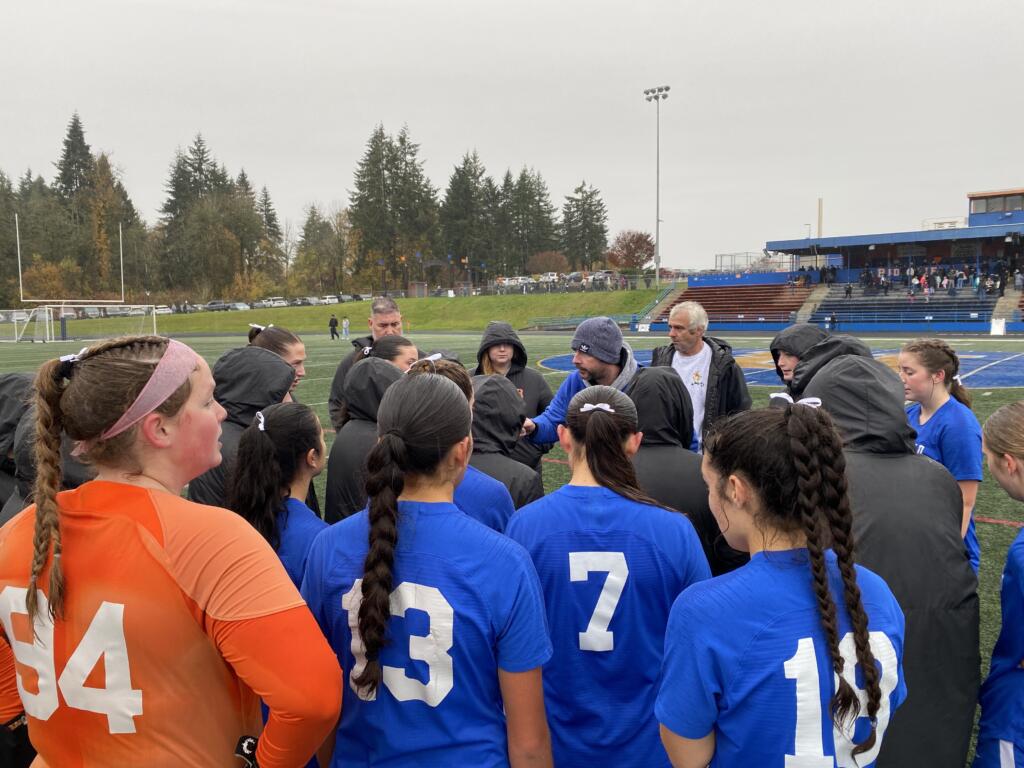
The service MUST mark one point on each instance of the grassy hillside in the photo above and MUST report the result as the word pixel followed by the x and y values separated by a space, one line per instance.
pixel 461 314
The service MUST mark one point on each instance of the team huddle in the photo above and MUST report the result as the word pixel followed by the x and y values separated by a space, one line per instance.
pixel 715 585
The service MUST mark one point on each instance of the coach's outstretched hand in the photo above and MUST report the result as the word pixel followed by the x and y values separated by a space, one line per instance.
pixel 528 427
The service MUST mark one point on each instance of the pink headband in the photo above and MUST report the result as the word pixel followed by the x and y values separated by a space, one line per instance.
pixel 173 370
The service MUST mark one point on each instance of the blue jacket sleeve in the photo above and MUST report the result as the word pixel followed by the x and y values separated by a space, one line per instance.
pixel 547 422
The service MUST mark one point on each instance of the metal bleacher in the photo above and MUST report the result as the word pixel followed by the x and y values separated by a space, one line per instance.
pixel 897 307
pixel 731 303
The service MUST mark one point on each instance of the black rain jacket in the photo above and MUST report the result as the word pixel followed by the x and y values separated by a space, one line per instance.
pixel 498 416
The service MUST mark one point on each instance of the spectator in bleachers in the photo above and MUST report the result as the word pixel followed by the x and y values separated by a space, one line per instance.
pixel 713 379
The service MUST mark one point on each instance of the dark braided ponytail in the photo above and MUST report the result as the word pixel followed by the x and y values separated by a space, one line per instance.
pixel 793 458
pixel 419 420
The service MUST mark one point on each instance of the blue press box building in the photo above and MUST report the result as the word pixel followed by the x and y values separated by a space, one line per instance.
pixel 989 244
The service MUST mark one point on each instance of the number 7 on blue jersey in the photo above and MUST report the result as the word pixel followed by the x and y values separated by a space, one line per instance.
pixel 581 564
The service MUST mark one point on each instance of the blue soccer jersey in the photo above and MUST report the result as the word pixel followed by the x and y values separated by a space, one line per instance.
pixel 611 569
pixel 466 601
pixel 952 436
pixel 485 499
pixel 746 657
pixel 297 527
pixel 1002 695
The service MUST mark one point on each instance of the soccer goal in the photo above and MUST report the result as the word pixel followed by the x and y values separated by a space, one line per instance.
pixel 76 320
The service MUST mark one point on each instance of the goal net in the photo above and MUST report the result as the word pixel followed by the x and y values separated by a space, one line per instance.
pixel 65 322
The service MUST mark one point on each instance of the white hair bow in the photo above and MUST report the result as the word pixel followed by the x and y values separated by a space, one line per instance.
pixel 810 402
pixel 261 421
pixel 75 357
pixel 597 406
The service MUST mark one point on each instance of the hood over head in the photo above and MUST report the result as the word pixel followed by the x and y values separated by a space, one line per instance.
pixel 498 414
pixel 795 340
pixel 16 392
pixel 249 379
pixel 662 407
pixel 822 353
pixel 496 333
pixel 73 472
pixel 864 397
pixel 365 386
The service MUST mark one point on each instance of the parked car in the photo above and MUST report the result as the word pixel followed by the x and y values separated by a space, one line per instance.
pixel 329 299
pixel 238 306
pixel 217 305
pixel 19 316
pixel 313 301
pixel 117 311
pixel 366 297
pixel 137 312
pixel 163 309
pixel 277 301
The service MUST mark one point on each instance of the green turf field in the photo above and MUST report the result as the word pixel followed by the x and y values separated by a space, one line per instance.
pixel 323 356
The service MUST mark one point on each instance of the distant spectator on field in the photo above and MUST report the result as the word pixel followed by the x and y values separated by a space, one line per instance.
pixel 332 326
pixel 344 327
pixel 502 352
pixel 713 379
pixel 498 416
pixel 385 320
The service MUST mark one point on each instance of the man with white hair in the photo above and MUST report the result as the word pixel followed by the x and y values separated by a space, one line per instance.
pixel 712 377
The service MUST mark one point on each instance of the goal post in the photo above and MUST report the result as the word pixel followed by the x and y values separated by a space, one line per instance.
pixel 76 320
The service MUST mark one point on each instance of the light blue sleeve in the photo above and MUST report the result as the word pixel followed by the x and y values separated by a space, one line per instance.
pixel 547 423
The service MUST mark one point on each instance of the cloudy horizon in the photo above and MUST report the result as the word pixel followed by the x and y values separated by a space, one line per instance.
pixel 891 113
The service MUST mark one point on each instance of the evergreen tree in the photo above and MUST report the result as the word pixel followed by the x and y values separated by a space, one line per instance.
pixel 413 199
pixel 202 171
pixel 370 208
pixel 268 216
pixel 584 227
pixel 533 218
pixel 463 215
pixel 76 165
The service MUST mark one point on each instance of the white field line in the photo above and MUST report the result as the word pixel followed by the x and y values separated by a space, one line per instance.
pixel 989 365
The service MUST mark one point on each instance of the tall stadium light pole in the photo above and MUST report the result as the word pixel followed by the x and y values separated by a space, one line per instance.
pixel 657 95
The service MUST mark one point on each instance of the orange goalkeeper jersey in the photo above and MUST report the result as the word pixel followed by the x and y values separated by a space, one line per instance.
pixel 177 618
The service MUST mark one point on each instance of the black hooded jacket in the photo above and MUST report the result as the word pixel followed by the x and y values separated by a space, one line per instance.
pixel 666 469
pixel 247 380
pixel 795 340
pixel 15 393
pixel 73 472
pixel 336 400
pixel 346 466
pixel 498 415
pixel 536 394
pixel 727 387
pixel 906 521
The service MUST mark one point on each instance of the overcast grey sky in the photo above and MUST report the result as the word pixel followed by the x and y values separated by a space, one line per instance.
pixel 892 110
